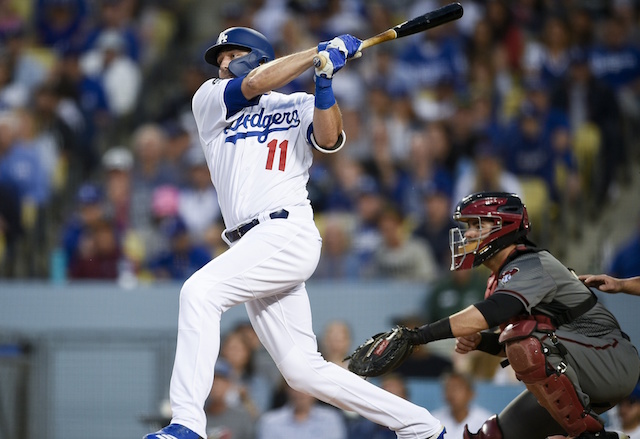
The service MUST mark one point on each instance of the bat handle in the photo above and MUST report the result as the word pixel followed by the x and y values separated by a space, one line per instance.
pixel 319 61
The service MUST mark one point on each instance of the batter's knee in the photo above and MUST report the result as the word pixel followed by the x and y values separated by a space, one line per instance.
pixel 489 430
pixel 192 291
pixel 302 372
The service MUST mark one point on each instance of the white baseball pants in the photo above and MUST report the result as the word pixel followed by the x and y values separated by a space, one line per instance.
pixel 266 270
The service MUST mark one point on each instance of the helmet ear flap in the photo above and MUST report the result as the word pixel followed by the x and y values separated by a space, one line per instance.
pixel 243 65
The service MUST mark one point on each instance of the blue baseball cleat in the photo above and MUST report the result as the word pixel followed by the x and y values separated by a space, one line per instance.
pixel 173 431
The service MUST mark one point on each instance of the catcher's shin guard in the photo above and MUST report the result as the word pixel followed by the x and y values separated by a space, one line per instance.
pixel 489 430
pixel 553 390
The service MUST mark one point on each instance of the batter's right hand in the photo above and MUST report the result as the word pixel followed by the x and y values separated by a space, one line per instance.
pixel 347 44
pixel 468 343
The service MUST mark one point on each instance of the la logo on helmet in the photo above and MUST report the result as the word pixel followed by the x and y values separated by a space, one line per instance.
pixel 222 38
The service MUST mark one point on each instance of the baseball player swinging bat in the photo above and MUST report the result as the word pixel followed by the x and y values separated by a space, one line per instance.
pixel 422 23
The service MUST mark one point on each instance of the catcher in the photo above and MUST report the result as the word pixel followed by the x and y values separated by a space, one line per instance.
pixel 564 345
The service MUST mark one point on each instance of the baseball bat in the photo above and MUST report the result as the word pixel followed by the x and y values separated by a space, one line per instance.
pixel 432 19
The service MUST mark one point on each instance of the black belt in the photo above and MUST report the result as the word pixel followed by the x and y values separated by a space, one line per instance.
pixel 240 231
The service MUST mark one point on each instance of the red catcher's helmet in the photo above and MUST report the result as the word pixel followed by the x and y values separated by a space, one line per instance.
pixel 509 224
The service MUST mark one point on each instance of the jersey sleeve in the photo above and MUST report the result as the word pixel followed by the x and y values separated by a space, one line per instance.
pixel 526 279
pixel 234 99
pixel 210 109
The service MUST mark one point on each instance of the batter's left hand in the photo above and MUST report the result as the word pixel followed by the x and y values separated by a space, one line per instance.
pixel 335 60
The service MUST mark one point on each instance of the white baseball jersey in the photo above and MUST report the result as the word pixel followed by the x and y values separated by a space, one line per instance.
pixel 255 150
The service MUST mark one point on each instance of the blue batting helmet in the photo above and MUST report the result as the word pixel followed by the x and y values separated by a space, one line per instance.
pixel 260 50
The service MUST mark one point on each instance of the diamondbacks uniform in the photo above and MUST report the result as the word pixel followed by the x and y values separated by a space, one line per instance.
pixel 259 153
pixel 567 349
pixel 601 362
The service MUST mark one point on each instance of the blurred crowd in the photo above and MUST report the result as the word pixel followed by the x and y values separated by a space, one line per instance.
pixel 102 175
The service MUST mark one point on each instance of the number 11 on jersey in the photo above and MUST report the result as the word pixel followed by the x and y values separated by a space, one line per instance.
pixel 273 145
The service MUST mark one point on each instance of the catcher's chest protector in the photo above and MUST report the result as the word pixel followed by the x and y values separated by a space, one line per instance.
pixel 551 387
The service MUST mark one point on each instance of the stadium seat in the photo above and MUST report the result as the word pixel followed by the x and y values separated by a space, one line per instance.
pixel 535 195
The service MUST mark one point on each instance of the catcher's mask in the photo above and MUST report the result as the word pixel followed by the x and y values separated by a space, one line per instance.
pixel 260 50
pixel 488 222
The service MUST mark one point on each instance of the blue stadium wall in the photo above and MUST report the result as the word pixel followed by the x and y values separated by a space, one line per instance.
pixel 95 357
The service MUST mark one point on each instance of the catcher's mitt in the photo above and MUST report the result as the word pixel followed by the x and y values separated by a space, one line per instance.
pixel 381 353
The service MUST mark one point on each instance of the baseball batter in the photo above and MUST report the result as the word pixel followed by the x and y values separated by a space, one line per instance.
pixel 258 145
pixel 564 345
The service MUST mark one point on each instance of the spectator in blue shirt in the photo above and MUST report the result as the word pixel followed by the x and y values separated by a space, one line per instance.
pixel 616 60
pixel 549 58
pixel 302 417
pixel 528 149
pixel 337 259
pixel 539 140
pixel 59 23
pixel 437 220
pixel 361 428
pixel 89 212
pixel 348 178
pixel 20 167
pixel 87 94
pixel 115 15
pixel 183 258
pixel 366 237
pixel 589 101
pixel 431 58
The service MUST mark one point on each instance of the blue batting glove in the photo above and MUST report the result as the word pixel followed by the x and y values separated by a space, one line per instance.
pixel 335 61
pixel 347 44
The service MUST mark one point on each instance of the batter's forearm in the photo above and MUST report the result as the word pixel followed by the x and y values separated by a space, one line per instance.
pixel 277 73
pixel 327 126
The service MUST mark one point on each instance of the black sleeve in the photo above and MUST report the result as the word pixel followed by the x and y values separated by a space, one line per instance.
pixel 499 308
pixel 490 343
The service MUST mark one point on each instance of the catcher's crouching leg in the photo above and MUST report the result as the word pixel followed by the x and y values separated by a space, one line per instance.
pixel 489 430
pixel 553 390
